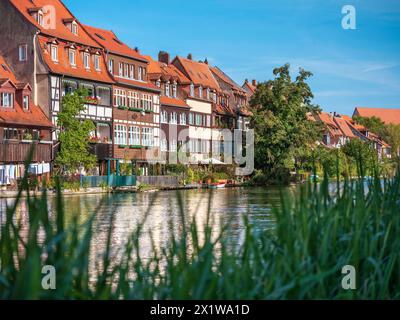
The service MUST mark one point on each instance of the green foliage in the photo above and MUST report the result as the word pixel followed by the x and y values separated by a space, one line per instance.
pixel 176 169
pixel 74 135
pixel 315 234
pixel 362 155
pixel 282 130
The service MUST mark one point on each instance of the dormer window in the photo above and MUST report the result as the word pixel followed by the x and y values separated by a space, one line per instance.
pixel 72 57
pixel 54 53
pixel 97 62
pixel 7 100
pixel 23 52
pixel 158 83
pixel 174 90
pixel 200 92
pixel 192 90
pixel 40 18
pixel 86 60
pixel 74 28
pixel 25 102
pixel 167 89
pixel 208 93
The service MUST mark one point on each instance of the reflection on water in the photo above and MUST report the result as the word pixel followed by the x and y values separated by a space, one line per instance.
pixel 162 215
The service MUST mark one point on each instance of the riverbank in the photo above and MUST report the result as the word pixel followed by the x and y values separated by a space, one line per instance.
pixel 4 194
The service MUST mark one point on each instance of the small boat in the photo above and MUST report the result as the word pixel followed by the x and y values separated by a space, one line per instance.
pixel 218 185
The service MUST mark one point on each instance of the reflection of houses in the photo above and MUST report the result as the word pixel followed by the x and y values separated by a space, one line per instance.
pixel 136 105
pixel 174 115
pixel 22 124
pixel 57 56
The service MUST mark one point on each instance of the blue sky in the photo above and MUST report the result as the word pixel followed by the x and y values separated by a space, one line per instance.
pixel 247 39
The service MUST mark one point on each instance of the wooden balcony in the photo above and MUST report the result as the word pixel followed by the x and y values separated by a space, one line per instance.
pixel 102 151
pixel 18 151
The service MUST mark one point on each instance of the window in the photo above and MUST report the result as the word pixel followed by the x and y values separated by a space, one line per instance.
pixel 200 92
pixel 111 66
pixel 167 89
pixel 182 119
pixel 23 52
pixel 147 102
pixel 126 68
pixel 191 118
pixel 174 90
pixel 158 83
pixel 134 136
pixel 54 53
pixel 72 58
pixel 89 88
pixel 11 134
pixel 121 69
pixel 199 119
pixel 97 62
pixel 40 18
pixel 174 118
pixel 173 146
pixel 69 87
pixel 140 73
pixel 208 93
pixel 25 102
pixel 132 71
pixel 164 117
pixel 147 137
pixel 7 100
pixel 164 145
pixel 192 90
pixel 133 100
pixel 119 98
pixel 74 28
pixel 208 121
pixel 86 60
pixel 120 134
pixel 104 95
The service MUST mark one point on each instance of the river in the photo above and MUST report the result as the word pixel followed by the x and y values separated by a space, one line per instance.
pixel 160 212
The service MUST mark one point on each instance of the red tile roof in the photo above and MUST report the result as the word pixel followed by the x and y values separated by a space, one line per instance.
pixel 224 77
pixel 173 102
pixel 332 127
pixel 160 69
pixel 63 65
pixel 388 116
pixel 34 117
pixel 250 87
pixel 5 71
pixel 344 127
pixel 61 14
pixel 199 73
pixel 108 40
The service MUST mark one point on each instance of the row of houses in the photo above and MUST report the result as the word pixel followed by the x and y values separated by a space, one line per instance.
pixel 144 109
pixel 340 129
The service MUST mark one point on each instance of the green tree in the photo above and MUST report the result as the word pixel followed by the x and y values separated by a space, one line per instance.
pixel 282 128
pixel 74 135
pixel 362 155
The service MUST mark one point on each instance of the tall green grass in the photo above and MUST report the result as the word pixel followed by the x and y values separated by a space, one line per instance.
pixel 317 232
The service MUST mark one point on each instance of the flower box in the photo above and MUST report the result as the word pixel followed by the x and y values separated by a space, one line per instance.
pixel 122 146
pixel 135 109
pixel 148 111
pixel 122 108
pixel 135 147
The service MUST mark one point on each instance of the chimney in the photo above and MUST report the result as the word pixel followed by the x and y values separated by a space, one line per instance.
pixel 163 57
pixel 254 83
pixel 206 61
pixel 190 57
pixel 137 49
pixel 246 81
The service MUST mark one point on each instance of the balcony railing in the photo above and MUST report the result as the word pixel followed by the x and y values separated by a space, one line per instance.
pixel 18 151
pixel 102 151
